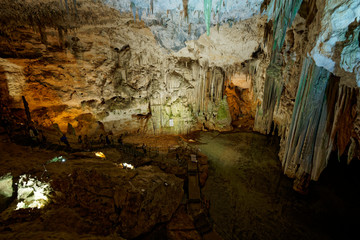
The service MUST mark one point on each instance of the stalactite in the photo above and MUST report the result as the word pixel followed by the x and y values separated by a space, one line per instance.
pixel 344 117
pixel 61 37
pixel 74 1
pixel 61 5
pixel 67 6
pixel 351 152
pixel 308 123
pixel 152 6
pixel 140 13
pixel 272 93
pixel 42 31
pixel 185 6
pixel 207 15
pixel 322 121
pixel 282 12
pixel 338 124
pixel 133 9
pixel 218 12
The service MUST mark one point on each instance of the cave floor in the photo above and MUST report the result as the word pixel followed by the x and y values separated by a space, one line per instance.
pixel 251 199
pixel 85 189
pixel 249 196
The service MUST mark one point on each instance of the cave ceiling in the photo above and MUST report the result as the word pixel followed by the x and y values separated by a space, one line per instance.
pixel 173 22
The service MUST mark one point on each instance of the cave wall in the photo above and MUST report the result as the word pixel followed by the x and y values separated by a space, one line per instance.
pixel 104 69
pixel 108 72
pixel 306 91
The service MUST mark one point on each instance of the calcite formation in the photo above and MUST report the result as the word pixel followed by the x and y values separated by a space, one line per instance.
pixel 163 67
pixel 175 22
pixel 313 131
pixel 114 72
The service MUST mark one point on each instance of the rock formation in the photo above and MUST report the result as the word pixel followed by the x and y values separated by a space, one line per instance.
pixel 165 68
pixel 111 69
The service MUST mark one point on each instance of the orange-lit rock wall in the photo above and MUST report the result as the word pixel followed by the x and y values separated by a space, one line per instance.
pixel 100 68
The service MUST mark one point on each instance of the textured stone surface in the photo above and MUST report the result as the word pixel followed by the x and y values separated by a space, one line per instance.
pixel 90 195
pixel 134 201
pixel 303 39
pixel 177 21
pixel 99 70
pixel 115 72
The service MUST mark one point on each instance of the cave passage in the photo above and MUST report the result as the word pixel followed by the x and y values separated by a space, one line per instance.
pixel 241 106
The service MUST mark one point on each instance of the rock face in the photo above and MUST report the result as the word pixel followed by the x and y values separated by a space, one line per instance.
pixel 84 195
pixel 112 70
pixel 101 70
pixel 6 190
pixel 131 201
pixel 177 21
pixel 303 97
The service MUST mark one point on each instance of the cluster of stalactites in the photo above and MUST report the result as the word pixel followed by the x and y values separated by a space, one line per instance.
pixel 211 88
pixel 308 125
pixel 272 93
pixel 67 6
pixel 282 12
pixel 138 7
pixel 307 120
pixel 321 122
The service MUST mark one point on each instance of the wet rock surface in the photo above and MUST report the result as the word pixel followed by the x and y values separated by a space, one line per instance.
pixel 91 196
pixel 251 199
pixel 134 202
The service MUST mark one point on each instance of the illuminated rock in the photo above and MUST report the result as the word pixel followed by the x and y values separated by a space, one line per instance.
pixel 175 22
pixel 6 182
pixel 32 193
pixel 6 190
pixel 338 15
pixel 124 79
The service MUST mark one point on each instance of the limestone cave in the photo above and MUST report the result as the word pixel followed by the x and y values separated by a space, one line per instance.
pixel 180 119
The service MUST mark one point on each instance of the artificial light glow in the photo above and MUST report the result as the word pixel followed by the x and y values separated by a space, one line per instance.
pixel 100 154
pixel 57 159
pixel 124 165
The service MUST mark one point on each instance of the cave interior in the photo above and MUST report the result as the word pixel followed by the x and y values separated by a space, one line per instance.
pixel 179 119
